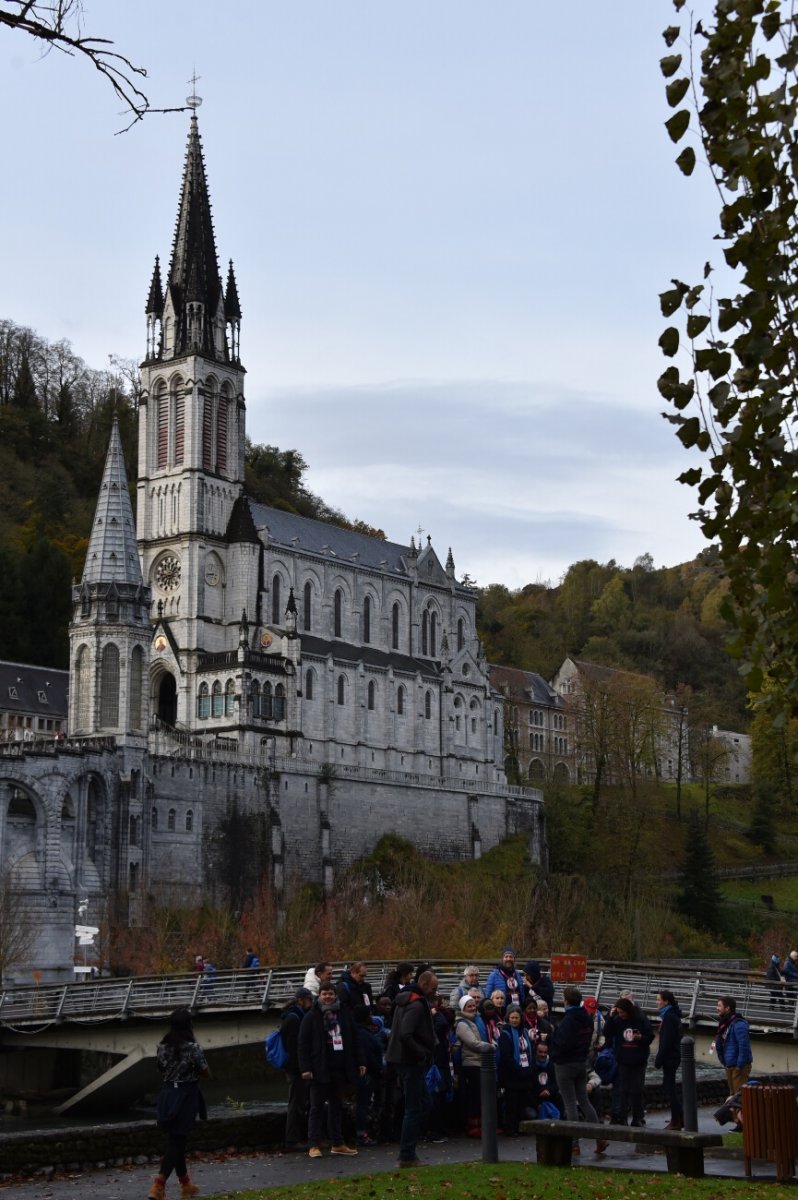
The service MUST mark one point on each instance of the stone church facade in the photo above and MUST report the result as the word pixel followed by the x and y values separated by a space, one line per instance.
pixel 253 694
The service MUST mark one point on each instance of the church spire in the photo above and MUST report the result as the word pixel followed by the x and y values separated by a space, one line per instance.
pixel 112 556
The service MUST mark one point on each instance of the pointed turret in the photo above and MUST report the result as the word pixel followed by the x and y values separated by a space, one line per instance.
pixel 232 307
pixel 155 298
pixel 112 556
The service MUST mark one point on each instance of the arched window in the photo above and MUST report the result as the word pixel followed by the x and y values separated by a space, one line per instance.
pixel 82 698
pixel 109 686
pixel 162 424
pixel 367 619
pixel 341 689
pixel 254 691
pixel 209 405
pixel 279 702
pixel 217 700
pixel 134 830
pixel 276 614
pixel 460 633
pixel 154 818
pixel 371 692
pixel 400 700
pixel 171 820
pixel 179 411
pixel 433 634
pixel 458 713
pixel 266 701
pixel 133 877
pixel 309 685
pixel 307 611
pixel 425 632
pixel 189 820
pixel 395 627
pixel 222 421
pixel 229 698
pixel 136 675
pixel 338 605
pixel 428 705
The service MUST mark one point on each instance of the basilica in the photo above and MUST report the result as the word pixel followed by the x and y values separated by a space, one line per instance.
pixel 255 697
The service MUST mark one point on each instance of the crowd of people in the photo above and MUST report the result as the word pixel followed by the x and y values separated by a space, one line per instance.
pixel 411 1049
pixel 412 1059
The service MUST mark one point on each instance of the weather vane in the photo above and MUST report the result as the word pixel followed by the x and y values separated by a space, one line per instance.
pixel 194 101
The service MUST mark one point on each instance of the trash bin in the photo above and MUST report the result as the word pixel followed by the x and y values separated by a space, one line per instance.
pixel 770 1127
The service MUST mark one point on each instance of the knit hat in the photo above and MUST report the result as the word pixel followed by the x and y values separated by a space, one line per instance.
pixel 590 1003
pixel 508 950
pixel 532 968
pixel 464 1000
pixel 794 954
pixel 774 958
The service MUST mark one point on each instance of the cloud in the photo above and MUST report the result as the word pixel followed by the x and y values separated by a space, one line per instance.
pixel 521 479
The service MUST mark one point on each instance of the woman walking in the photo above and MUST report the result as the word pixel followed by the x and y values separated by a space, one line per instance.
pixel 180 1101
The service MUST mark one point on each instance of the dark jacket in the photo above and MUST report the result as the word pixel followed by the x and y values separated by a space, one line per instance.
pixel 352 993
pixel 619 1034
pixel 541 984
pixel 572 1037
pixel 412 1038
pixel 511 1073
pixel 669 1051
pixel 312 1046
pixel 370 1050
pixel 289 1031
pixel 544 1080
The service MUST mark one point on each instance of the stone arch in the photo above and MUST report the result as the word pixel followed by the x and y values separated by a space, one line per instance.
pixel 164 697
pixel 561 773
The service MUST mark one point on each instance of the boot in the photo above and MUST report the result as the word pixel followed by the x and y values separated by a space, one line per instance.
pixel 156 1192
pixel 187 1188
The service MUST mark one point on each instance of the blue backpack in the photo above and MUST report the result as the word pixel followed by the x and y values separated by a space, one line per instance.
pixel 606 1065
pixel 276 1053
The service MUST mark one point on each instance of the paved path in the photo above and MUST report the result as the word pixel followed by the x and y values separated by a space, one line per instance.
pixel 239 1173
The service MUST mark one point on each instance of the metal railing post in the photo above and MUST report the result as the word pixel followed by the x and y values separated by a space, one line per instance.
pixel 689 1097
pixel 192 1006
pixel 691 1017
pixel 267 988
pixel 487 1085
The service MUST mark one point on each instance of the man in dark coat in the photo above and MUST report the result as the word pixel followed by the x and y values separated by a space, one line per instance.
pixel 353 988
pixel 411 1049
pixel 628 1031
pixel 570 1047
pixel 329 1059
pixel 296 1121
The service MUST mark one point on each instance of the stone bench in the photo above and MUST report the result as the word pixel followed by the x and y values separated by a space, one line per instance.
pixel 684 1150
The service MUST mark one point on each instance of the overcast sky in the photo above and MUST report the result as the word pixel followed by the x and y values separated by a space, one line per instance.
pixel 449 219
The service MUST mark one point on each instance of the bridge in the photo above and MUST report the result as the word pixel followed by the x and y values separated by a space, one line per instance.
pixel 125 1017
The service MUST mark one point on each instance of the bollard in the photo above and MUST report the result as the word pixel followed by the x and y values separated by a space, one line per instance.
pixel 689 1097
pixel 487 1086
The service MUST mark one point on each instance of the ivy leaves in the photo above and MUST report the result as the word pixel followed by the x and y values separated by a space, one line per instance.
pixel 732 383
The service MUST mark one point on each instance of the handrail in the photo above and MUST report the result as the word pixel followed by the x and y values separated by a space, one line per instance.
pixel 767 1007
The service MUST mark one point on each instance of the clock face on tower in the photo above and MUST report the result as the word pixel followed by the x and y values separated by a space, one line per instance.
pixel 167 573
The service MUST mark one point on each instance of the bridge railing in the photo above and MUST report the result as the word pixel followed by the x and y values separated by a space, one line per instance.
pixel 767 1007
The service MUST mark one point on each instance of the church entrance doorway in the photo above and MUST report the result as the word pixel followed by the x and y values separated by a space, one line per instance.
pixel 167 699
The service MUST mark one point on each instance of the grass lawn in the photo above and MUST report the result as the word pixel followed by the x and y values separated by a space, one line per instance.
pixel 517 1181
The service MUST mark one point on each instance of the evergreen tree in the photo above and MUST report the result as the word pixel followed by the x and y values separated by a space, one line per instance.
pixel 762 830
pixel 700 896
pixel 24 391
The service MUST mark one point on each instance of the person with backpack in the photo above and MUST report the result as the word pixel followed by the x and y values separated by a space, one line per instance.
pixel 669 1053
pixel 296 1120
pixel 182 1064
pixel 629 1033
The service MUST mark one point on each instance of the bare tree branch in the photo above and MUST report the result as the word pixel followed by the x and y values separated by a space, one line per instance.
pixel 58 25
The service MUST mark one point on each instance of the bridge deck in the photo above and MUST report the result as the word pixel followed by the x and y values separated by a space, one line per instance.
pixel 26 1009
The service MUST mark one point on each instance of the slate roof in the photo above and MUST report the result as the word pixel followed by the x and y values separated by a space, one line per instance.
pixel 112 555
pixel 370 655
pixel 194 266
pixel 318 537
pixel 21 685
pixel 527 686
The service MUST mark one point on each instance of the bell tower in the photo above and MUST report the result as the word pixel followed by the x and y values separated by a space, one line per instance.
pixel 191 420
